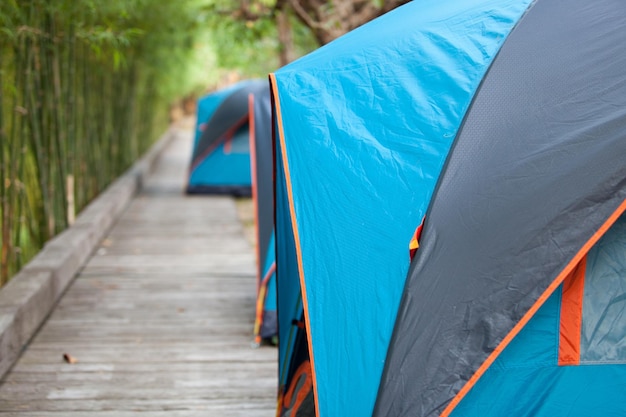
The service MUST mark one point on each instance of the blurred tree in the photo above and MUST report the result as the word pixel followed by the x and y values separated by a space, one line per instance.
pixel 256 36
pixel 253 30
pixel 329 19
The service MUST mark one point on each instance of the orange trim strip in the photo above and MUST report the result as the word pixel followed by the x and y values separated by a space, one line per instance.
pixel 279 403
pixel 255 197
pixel 283 147
pixel 303 370
pixel 228 145
pixel 572 315
pixel 531 312
pixel 414 244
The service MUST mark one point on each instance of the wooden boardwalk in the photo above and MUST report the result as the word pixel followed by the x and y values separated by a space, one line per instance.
pixel 159 321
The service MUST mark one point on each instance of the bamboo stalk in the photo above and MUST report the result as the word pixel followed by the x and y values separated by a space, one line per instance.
pixel 48 127
pixel 70 98
pixel 31 87
pixel 71 207
pixel 4 203
pixel 59 124
pixel 14 186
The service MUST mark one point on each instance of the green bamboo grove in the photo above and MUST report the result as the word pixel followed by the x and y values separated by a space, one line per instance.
pixel 84 91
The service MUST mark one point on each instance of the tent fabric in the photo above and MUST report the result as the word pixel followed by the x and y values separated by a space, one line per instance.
pixel 289 298
pixel 603 325
pixel 535 177
pixel 298 401
pixel 261 141
pixel 513 302
pixel 528 368
pixel 354 119
pixel 269 325
pixel 262 154
pixel 220 162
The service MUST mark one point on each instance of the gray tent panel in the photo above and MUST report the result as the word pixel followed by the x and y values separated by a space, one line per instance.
pixel 537 168
pixel 233 110
pixel 264 170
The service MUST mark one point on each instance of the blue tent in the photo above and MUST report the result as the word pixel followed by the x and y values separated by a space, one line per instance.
pixel 220 162
pixel 490 136
pixel 266 326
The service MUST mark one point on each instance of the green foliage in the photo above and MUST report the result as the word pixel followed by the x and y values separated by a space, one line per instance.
pixel 249 47
pixel 86 84
pixel 245 35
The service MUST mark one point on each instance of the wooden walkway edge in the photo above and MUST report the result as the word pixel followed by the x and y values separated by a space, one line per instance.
pixel 158 322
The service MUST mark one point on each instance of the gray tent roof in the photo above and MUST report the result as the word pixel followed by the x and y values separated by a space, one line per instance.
pixel 537 169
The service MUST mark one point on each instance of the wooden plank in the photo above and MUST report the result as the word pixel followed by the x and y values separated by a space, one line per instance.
pixel 159 321
pixel 61 369
pixel 227 408
pixel 174 270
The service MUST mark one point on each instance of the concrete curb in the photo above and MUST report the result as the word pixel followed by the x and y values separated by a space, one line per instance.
pixel 29 297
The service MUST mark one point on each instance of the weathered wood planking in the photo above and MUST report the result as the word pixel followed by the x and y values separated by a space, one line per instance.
pixel 159 320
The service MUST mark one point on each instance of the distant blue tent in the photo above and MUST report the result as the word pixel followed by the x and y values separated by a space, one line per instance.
pixel 488 137
pixel 220 162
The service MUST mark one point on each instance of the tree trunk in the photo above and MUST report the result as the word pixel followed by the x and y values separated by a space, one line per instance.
pixel 330 19
pixel 285 37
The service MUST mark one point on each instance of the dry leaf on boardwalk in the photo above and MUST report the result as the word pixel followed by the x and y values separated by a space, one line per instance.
pixel 69 358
